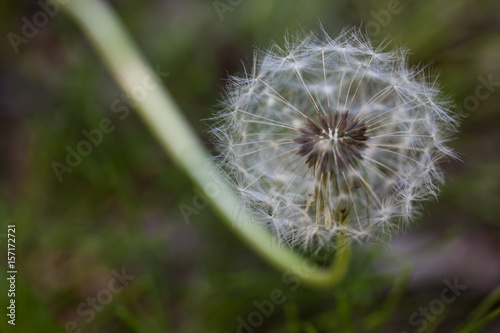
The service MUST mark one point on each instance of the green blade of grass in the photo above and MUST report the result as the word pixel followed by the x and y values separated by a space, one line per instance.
pixel 482 308
pixel 474 327
pixel 377 319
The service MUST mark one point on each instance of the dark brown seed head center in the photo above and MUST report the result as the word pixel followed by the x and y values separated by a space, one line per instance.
pixel 333 143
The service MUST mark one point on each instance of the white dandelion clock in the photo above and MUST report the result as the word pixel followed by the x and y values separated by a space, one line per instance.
pixel 330 137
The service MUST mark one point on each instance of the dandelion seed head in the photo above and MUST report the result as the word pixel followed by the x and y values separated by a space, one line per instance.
pixel 331 136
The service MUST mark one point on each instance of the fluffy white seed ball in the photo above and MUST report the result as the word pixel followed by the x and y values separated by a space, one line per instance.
pixel 332 136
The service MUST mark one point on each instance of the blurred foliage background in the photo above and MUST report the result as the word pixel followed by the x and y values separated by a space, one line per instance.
pixel 119 208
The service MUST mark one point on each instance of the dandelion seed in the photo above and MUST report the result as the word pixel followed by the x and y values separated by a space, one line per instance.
pixel 329 137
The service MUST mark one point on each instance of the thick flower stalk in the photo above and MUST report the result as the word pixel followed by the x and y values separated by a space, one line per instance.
pixel 332 137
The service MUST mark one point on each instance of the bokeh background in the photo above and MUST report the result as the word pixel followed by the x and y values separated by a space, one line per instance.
pixel 118 210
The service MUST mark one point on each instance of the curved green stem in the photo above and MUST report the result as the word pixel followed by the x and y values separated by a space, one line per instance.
pixel 165 120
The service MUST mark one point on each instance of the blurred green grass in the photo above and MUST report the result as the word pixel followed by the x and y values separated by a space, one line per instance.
pixel 119 207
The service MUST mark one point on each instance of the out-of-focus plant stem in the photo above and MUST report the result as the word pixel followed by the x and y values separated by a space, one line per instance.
pixel 165 120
